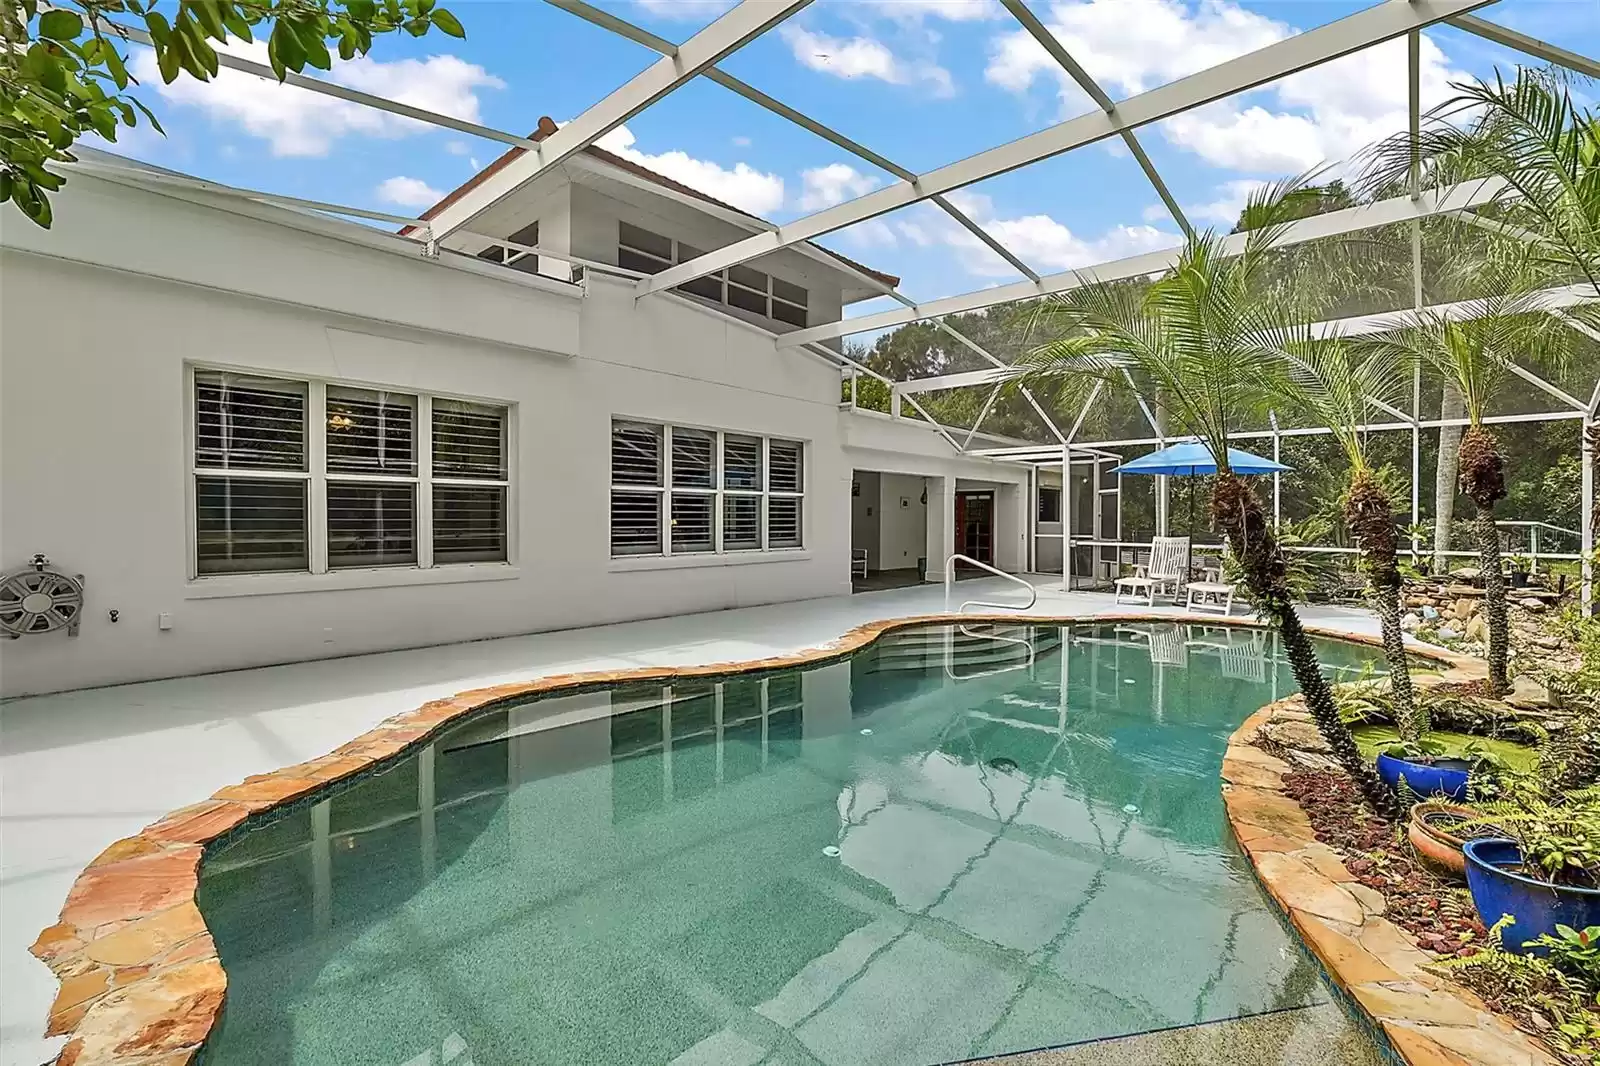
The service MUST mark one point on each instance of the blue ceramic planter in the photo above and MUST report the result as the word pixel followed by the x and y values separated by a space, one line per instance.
pixel 1537 907
pixel 1442 777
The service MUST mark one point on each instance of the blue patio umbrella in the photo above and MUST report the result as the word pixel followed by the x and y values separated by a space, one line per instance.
pixel 1192 457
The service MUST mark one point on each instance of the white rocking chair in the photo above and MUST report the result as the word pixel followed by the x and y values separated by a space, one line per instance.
pixel 1162 575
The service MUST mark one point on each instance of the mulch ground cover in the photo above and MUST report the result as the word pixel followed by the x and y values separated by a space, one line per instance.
pixel 1436 912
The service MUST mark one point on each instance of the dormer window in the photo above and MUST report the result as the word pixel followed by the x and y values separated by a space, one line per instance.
pixel 739 286
pixel 526 262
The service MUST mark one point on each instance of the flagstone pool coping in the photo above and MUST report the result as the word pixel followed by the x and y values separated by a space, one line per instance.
pixel 1428 1020
pixel 141 983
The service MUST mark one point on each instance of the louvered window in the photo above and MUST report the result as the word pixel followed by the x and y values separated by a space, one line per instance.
pixel 251 475
pixel 637 465
pixel 470 479
pixel 386 478
pixel 682 491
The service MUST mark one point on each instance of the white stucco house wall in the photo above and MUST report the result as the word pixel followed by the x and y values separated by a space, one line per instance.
pixel 263 436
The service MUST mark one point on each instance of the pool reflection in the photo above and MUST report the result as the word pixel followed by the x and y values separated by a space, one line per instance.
pixel 812 866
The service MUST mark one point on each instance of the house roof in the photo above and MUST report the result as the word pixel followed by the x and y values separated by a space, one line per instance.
pixel 547 126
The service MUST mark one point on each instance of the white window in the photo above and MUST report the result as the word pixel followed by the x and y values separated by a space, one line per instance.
pixel 682 491
pixel 314 476
pixel 738 286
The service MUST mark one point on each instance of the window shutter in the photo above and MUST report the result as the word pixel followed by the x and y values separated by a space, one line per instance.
pixel 741 523
pixel 248 422
pixel 635 523
pixel 371 432
pixel 371 524
pixel 246 525
pixel 783 522
pixel 694 459
pixel 469 440
pixel 785 473
pixel 741 462
pixel 691 521
pixel 635 454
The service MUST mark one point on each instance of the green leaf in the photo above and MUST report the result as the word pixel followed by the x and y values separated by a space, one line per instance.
pixel 447 23
pixel 60 25
pixel 312 44
pixel 167 62
pixel 362 10
pixel 159 28
pixel 209 16
pixel 113 64
pixel 236 23
pixel 424 6
pixel 155 123
pixel 285 45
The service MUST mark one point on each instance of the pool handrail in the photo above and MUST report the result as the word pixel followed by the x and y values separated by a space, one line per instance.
pixel 950 579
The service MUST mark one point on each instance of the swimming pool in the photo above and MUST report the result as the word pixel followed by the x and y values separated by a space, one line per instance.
pixel 951 844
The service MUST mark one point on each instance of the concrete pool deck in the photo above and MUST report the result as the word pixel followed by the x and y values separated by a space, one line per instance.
pixel 129 754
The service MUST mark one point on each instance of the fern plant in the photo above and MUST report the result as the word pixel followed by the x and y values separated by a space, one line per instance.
pixel 1558 835
pixel 1528 984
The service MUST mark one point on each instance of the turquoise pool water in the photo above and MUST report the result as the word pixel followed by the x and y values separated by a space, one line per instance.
pixel 944 847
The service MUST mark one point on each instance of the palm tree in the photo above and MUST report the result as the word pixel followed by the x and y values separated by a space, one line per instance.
pixel 1545 152
pixel 1203 339
pixel 1334 384
pixel 1474 354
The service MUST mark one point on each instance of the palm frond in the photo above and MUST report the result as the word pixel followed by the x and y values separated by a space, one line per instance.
pixel 1532 136
pixel 1204 340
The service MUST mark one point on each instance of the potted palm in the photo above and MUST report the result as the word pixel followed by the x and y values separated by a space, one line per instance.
pixel 1203 339
pixel 1518 569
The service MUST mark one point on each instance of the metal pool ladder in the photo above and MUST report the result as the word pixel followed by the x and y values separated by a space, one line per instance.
pixel 949 582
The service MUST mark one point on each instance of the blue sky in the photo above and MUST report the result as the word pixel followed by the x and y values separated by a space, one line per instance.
pixel 924 82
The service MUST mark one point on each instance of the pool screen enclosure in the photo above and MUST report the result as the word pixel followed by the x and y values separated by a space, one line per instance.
pixel 1063 452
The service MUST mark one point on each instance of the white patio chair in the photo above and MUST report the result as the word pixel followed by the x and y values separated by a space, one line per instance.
pixel 1212 594
pixel 858 563
pixel 1165 643
pixel 1242 653
pixel 1162 575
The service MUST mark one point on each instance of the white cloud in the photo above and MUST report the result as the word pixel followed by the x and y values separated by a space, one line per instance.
pixel 457 147
pixel 300 123
pixel 741 142
pixel 833 184
pixel 873 233
pixel 1321 115
pixel 743 186
pixel 1231 196
pixel 408 192
pixel 1129 46
pixel 863 57
pixel 698 10
pixel 953 10
pixel 1038 240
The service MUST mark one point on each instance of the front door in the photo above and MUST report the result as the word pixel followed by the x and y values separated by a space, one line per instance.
pixel 975 525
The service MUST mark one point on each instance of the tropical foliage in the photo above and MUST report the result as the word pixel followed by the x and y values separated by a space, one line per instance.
pixel 1198 343
pixel 1336 385
pixel 1475 355
pixel 64 74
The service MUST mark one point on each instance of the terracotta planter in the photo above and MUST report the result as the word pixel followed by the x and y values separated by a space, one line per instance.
pixel 1439 848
